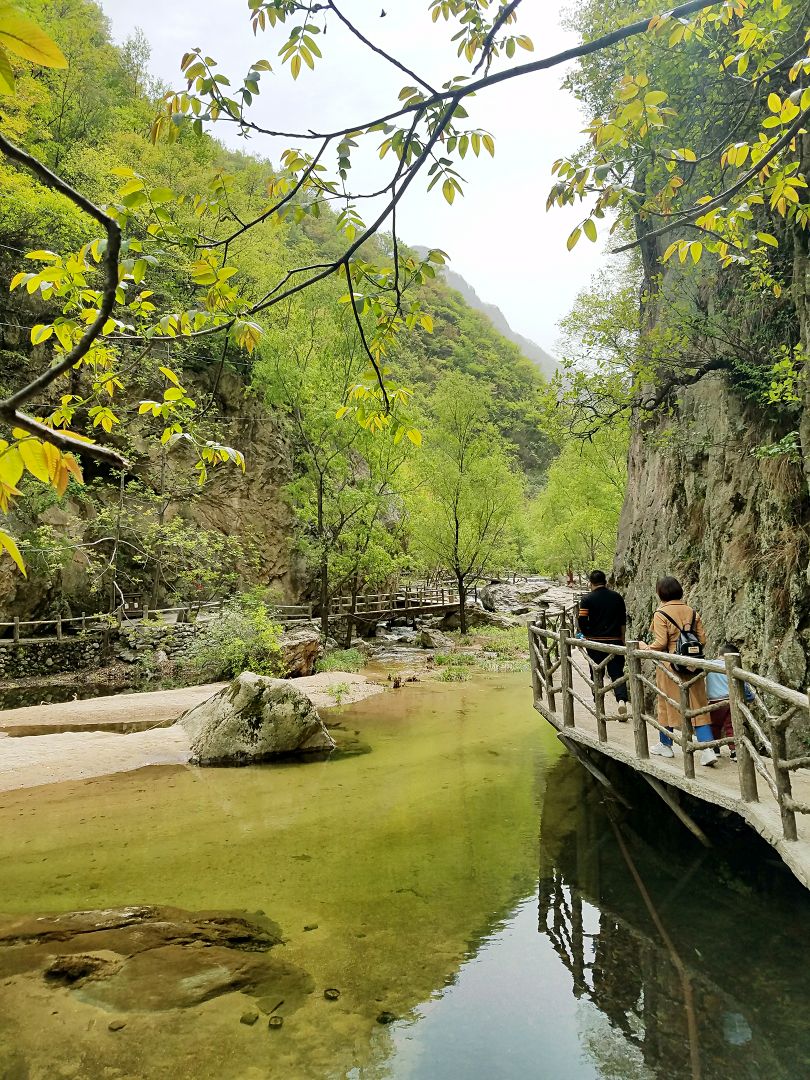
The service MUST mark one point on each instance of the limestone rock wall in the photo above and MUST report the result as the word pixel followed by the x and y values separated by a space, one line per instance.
pixel 733 528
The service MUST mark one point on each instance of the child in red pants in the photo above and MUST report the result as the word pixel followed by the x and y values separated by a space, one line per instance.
pixel 717 692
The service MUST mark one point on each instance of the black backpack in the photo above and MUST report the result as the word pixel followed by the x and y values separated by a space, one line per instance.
pixel 688 644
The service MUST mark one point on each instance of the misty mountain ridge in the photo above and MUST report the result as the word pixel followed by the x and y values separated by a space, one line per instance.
pixel 530 349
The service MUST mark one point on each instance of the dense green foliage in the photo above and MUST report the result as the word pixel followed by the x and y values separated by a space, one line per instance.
pixel 91 122
pixel 576 516
pixel 694 147
pixel 243 637
pixel 468 495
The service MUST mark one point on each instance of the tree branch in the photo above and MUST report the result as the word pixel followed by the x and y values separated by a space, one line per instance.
pixel 685 216
pixel 9 408
pixel 460 92
pixel 503 15
pixel 380 52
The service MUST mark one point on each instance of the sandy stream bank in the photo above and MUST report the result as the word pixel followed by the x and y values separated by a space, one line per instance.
pixel 85 751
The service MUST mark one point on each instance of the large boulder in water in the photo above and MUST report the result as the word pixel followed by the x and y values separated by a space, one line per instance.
pixel 254 719
pixel 302 648
pixel 477 617
pixel 514 599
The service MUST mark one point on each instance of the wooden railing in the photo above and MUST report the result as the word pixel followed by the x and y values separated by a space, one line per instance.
pixel 761 728
pixel 398 602
pixel 133 609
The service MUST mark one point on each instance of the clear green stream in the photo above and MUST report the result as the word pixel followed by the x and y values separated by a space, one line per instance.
pixel 463 876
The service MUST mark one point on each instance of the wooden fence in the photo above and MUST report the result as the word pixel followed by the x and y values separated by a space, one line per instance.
pixel 401 602
pixel 561 668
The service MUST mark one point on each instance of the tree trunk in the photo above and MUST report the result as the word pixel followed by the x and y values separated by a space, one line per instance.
pixel 325 598
pixel 462 603
pixel 324 565
pixel 350 616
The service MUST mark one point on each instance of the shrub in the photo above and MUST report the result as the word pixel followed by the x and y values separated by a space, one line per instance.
pixel 452 673
pixel 511 644
pixel 341 660
pixel 456 660
pixel 242 637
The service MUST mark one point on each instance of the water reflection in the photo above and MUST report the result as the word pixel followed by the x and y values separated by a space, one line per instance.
pixel 699 968
pixel 407 878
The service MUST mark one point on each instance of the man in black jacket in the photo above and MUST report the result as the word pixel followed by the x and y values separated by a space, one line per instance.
pixel 603 617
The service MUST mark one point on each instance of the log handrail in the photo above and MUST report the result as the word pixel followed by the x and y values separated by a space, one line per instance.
pixel 401 601
pixel 761 742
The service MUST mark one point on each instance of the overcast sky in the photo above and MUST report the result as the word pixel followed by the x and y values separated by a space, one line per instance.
pixel 499 235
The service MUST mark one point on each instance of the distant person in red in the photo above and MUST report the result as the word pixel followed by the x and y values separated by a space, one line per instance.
pixel 603 617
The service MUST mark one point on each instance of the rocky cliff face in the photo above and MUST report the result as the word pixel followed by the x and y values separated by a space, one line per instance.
pixel 732 527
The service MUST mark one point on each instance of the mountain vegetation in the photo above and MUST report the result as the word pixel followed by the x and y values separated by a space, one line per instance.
pixel 230 262
pixel 140 527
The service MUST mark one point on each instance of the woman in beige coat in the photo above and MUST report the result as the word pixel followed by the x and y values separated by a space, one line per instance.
pixel 672 616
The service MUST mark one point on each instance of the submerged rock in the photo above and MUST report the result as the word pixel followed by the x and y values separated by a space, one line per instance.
pixel 154 959
pixel 254 719
pixel 302 649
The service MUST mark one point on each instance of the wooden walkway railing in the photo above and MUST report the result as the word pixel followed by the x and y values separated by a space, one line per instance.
pixel 570 691
pixel 410 600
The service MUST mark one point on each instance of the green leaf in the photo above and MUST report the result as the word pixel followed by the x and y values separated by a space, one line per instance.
pixel 766 238
pixel 415 436
pixel 774 103
pixel 573 238
pixel 33 454
pixel 40 333
pixel 21 36
pixel 590 230
pixel 170 375
pixel 6 74
pixel 7 544
pixel 654 97
pixel 136 184
pixel 11 466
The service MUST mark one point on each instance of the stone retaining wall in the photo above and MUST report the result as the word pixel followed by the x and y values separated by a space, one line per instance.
pixel 31 658
pixel 146 643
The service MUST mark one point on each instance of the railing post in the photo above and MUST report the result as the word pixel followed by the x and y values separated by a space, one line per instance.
pixel 548 678
pixel 598 698
pixel 58 627
pixel 16 627
pixel 781 776
pixel 566 678
pixel 636 690
pixel 537 689
pixel 745 764
pixel 84 622
pixel 687 731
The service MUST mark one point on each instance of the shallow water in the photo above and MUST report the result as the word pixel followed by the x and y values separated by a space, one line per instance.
pixel 463 877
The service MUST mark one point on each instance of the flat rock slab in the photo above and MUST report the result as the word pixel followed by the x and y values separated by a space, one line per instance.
pixel 115 712
pixel 71 753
